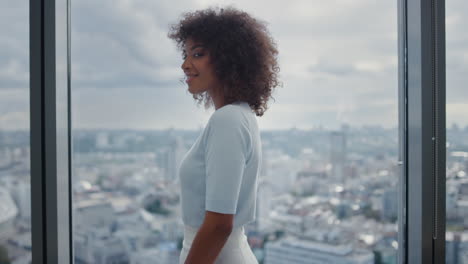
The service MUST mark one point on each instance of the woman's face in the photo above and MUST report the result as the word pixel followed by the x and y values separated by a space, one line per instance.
pixel 198 69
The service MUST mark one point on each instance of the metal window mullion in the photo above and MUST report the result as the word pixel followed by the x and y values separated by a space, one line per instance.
pixel 439 129
pixel 49 137
pixel 425 157
pixel 38 229
pixel 70 137
pixel 402 132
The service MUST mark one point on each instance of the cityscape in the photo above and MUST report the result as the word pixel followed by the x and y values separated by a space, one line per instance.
pixel 324 196
pixel 328 192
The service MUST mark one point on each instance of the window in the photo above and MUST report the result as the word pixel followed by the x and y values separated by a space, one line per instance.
pixel 457 131
pixel 330 141
pixel 15 183
pixel 122 137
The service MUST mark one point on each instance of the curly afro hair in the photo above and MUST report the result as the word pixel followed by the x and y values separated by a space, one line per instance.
pixel 242 52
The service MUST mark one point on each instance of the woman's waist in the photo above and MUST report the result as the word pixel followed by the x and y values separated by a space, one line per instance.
pixel 236 236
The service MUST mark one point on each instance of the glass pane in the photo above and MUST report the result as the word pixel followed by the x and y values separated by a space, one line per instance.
pixel 457 132
pixel 15 186
pixel 327 191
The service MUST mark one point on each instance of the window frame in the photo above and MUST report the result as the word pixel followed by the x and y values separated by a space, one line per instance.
pixel 421 63
pixel 422 130
pixel 51 221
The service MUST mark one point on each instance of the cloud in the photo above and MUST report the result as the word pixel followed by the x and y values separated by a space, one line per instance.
pixel 324 66
pixel 338 62
pixel 14 45
pixel 13 73
pixel 126 45
pixel 14 109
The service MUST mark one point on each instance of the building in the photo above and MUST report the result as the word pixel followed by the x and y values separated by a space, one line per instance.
pixel 293 250
pixel 337 155
pixel 263 205
pixel 98 245
pixel 456 247
pixel 21 193
pixel 390 204
pixel 102 140
pixel 174 155
pixel 94 212
pixel 8 213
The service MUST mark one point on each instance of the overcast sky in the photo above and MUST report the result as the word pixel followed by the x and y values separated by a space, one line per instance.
pixel 338 62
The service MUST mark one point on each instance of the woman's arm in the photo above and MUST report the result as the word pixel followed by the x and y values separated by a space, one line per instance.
pixel 210 238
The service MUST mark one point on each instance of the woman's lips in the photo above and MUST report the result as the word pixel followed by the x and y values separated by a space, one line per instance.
pixel 190 79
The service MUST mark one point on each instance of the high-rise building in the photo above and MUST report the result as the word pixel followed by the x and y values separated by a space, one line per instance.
pixel 21 193
pixel 98 245
pixel 293 250
pixel 337 155
pixel 102 140
pixel 94 212
pixel 175 153
pixel 390 204
pixel 456 247
pixel 452 242
pixel 6 157
pixel 264 195
pixel 281 171
pixel 8 213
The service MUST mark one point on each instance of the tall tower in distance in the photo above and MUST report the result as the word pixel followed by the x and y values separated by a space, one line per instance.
pixel 175 153
pixel 338 154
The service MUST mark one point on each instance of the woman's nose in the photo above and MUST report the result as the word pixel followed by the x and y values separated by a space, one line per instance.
pixel 185 65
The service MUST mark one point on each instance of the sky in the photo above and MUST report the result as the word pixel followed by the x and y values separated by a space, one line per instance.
pixel 338 61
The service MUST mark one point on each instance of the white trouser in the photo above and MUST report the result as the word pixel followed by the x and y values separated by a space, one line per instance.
pixel 236 250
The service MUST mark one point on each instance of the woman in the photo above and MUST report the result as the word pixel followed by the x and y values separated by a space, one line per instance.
pixel 229 62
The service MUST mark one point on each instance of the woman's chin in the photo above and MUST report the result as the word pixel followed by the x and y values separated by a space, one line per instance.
pixel 192 90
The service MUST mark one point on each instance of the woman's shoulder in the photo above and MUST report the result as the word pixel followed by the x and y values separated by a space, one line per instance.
pixel 231 122
pixel 229 114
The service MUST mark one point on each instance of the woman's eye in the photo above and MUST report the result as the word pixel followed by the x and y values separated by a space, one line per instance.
pixel 197 54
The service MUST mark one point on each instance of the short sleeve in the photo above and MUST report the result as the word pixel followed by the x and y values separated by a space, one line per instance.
pixel 226 151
